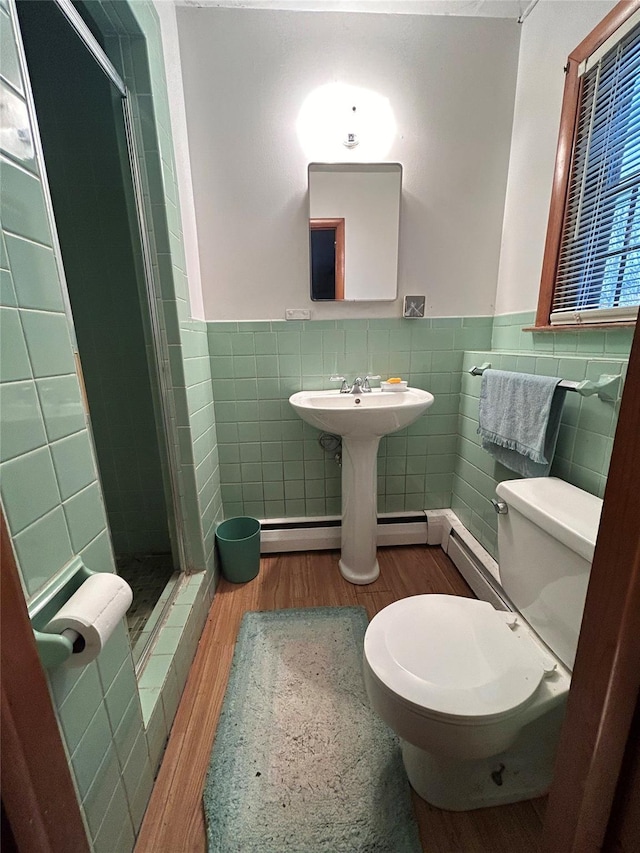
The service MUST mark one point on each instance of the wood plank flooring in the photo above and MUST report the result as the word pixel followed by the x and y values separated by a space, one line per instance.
pixel 174 822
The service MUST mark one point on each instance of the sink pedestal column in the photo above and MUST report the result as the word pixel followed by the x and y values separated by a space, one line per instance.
pixel 358 563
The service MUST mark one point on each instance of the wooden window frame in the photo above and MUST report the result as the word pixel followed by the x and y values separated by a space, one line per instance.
pixel 338 225
pixel 564 155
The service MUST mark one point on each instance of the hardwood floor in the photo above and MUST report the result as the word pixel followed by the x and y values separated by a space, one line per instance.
pixel 174 822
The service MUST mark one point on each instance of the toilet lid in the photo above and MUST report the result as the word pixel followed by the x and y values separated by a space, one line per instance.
pixel 453 656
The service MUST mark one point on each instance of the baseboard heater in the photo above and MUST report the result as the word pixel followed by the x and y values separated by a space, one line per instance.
pixel 305 534
pixel 476 566
pixel 428 527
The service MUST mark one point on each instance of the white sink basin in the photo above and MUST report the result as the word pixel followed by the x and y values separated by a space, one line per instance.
pixel 361 420
pixel 367 415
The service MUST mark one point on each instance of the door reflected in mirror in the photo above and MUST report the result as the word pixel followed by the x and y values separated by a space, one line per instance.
pixel 354 217
pixel 327 258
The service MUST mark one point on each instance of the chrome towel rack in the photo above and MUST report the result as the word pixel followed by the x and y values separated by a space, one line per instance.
pixel 607 387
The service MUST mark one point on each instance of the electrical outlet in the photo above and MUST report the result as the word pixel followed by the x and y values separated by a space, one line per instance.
pixel 297 314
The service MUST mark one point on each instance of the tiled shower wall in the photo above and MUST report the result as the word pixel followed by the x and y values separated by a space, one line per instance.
pixel 271 464
pixel 103 273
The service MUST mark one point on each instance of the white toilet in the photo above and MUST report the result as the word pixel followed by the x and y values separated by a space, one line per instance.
pixel 476 694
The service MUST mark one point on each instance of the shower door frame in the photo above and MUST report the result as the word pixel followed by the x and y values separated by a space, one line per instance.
pixel 168 436
pixel 161 355
pixel 159 362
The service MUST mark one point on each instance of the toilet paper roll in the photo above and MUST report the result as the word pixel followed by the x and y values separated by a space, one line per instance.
pixel 93 611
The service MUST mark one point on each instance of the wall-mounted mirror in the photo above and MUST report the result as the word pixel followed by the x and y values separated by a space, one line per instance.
pixel 354 217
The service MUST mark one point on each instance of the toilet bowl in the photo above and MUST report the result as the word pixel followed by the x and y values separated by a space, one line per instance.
pixel 459 682
pixel 475 694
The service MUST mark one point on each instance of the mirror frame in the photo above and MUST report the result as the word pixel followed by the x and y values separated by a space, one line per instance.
pixel 334 222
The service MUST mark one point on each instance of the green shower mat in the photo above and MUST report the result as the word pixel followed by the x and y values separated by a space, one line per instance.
pixel 300 762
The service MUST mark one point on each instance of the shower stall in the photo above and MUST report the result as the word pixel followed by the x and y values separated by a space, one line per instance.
pixel 90 158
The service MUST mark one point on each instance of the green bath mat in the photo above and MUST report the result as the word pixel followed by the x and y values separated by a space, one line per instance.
pixel 300 763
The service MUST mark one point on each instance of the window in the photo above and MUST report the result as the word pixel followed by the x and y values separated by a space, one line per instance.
pixel 591 269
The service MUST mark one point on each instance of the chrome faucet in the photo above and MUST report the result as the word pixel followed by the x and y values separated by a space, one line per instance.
pixel 359 385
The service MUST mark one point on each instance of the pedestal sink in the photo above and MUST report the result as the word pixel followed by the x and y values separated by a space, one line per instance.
pixel 361 420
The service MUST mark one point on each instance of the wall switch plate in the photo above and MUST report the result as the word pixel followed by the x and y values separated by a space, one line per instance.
pixel 413 307
pixel 297 314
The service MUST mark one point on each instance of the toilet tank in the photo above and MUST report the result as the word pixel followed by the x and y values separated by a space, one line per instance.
pixel 545 546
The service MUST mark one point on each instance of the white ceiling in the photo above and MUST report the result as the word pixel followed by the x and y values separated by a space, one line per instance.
pixel 485 8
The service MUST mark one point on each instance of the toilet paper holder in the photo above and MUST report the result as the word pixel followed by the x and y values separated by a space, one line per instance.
pixel 55 649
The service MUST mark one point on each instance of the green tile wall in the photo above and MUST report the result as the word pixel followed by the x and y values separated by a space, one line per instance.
pixel 199 438
pixel 50 492
pixel 272 466
pixel 40 400
pixel 588 424
pixel 270 462
pixel 102 272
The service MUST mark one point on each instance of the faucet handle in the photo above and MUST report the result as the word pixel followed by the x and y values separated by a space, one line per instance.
pixel 344 389
pixel 369 376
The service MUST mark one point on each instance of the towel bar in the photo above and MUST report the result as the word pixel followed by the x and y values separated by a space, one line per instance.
pixel 607 387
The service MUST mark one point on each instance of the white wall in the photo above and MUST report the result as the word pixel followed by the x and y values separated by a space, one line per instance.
pixel 171 52
pixel 450 82
pixel 552 30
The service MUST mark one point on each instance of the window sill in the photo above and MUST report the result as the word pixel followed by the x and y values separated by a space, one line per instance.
pixel 582 327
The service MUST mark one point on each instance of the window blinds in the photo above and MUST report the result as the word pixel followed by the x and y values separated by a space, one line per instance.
pixel 598 275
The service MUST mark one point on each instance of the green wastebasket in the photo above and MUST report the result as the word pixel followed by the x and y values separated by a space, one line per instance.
pixel 239 548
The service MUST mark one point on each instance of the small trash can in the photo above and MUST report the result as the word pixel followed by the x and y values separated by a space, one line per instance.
pixel 239 548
